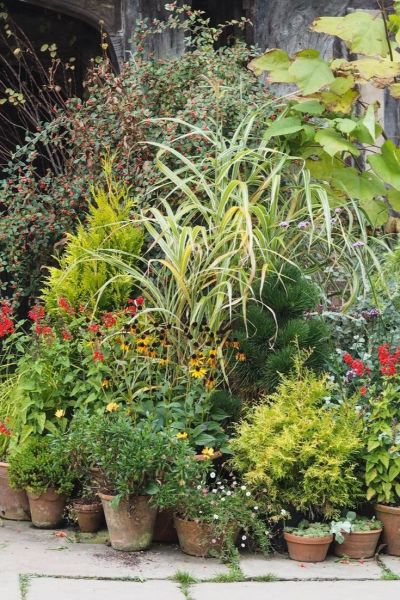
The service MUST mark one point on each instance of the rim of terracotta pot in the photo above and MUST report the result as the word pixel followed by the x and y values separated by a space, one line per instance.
pixel 371 531
pixel 291 537
pixel 110 497
pixel 51 493
pixel 85 507
pixel 394 510
pixel 4 464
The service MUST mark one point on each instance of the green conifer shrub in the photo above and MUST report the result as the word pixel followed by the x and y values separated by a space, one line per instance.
pixel 82 279
pixel 279 324
pixel 298 451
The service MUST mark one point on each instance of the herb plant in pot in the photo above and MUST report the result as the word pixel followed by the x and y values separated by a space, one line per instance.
pixel 210 510
pixel 301 455
pixel 39 467
pixel 308 542
pixel 131 458
pixel 356 537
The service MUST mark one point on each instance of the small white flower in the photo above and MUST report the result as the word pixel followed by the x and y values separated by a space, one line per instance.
pixel 243 545
pixel 229 493
pixel 213 475
pixel 199 487
pixel 216 517
pixel 214 541
pixel 256 508
pixel 215 491
pixel 248 494
pixel 244 537
pixel 243 487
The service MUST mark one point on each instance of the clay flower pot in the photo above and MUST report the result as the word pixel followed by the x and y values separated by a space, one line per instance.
pixel 164 530
pixel 390 517
pixel 90 515
pixel 131 523
pixel 198 539
pixel 307 549
pixel 47 509
pixel 14 504
pixel 358 544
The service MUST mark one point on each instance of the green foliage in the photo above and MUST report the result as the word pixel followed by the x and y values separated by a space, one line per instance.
pixel 277 327
pixel 195 491
pixel 39 464
pixel 297 451
pixel 337 126
pixel 80 278
pixel 382 468
pixel 309 530
pixel 355 524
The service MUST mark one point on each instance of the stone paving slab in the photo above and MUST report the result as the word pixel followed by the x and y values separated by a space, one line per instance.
pixel 298 590
pixel 83 589
pixel 392 563
pixel 24 549
pixel 9 587
pixel 333 568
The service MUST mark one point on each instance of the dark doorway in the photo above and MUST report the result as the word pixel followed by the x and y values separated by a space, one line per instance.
pixel 224 10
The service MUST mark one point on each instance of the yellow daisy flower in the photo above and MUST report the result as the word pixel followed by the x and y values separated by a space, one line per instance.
pixel 60 413
pixel 112 407
pixel 198 372
pixel 182 435
pixel 124 347
pixel 209 452
pixel 196 360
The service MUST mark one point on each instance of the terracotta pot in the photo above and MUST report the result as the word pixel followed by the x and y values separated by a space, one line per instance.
pixel 90 515
pixel 47 509
pixel 358 544
pixel 131 523
pixel 307 549
pixel 196 539
pixel 164 530
pixel 390 517
pixel 14 504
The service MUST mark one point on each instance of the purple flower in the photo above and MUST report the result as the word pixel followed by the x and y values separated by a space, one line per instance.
pixel 358 244
pixel 303 224
pixel 284 224
pixel 338 211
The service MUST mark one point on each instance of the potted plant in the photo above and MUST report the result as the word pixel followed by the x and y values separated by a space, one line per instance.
pixel 356 537
pixel 308 542
pixel 301 453
pixel 210 509
pixel 131 459
pixel 39 467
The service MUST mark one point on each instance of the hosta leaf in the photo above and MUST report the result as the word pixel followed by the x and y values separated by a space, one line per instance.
pixel 333 143
pixel 387 164
pixel 311 73
pixel 363 32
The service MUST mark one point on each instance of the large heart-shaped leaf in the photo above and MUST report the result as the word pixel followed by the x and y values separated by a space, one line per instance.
pixel 387 164
pixel 311 72
pixel 333 143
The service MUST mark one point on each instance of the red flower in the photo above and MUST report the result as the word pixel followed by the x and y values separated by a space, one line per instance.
pixel 36 313
pixel 6 324
pixel 139 301
pixel 98 356
pixel 4 430
pixel 347 358
pixel 94 328
pixel 358 367
pixel 109 320
pixel 67 336
pixel 65 305
pixel 363 390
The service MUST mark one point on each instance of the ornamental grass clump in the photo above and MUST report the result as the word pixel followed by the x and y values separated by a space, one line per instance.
pixel 298 452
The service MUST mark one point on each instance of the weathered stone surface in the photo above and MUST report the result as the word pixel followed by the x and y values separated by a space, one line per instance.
pixel 332 568
pixel 81 589
pixel 9 587
pixel 299 590
pixel 392 563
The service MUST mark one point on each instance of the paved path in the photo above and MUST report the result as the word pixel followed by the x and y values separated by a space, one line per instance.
pixel 49 565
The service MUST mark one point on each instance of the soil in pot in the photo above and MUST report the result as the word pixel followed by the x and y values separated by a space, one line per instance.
pixel 390 517
pixel 14 504
pixel 131 523
pixel 358 544
pixel 198 539
pixel 90 515
pixel 47 509
pixel 164 530
pixel 307 549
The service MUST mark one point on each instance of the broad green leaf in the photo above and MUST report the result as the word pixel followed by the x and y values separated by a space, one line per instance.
pixel 366 69
pixel 272 60
pixel 363 32
pixel 361 186
pixel 311 74
pixel 370 493
pixel 339 103
pixel 341 85
pixel 376 211
pixel 345 125
pixel 311 107
pixel 397 488
pixel 284 126
pixel 387 164
pixel 369 122
pixel 332 142
pixel 393 197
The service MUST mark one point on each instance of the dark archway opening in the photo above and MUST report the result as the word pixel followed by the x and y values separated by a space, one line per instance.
pixel 221 11
pixel 44 59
